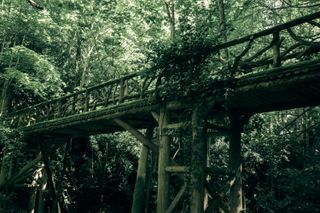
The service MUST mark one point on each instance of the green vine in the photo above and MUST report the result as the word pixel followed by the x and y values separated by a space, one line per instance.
pixel 181 67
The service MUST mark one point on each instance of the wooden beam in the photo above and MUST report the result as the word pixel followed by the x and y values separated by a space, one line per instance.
pixel 155 116
pixel 175 105
pixel 163 162
pixel 136 134
pixel 177 199
pixel 178 125
pixel 198 161
pixel 177 169
pixel 52 188
pixel 59 185
pixel 236 204
pixel 139 195
pixel 23 171
pixel 269 31
pixel 221 129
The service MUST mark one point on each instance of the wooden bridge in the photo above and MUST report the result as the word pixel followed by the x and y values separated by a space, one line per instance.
pixel 274 69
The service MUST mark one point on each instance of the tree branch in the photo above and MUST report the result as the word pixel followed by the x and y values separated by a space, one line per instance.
pixel 301 39
pixel 35 5
pixel 303 5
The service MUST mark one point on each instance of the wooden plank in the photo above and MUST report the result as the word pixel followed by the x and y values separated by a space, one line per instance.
pixel 177 199
pixel 163 162
pixel 136 134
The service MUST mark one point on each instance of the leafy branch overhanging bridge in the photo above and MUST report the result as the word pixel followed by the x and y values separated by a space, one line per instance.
pixel 274 69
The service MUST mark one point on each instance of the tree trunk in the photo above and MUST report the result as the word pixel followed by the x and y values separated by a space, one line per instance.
pixel 223 24
pixel 4 99
pixel 170 8
pixel 4 171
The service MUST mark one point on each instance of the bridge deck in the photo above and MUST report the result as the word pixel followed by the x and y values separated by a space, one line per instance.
pixel 132 98
pixel 277 89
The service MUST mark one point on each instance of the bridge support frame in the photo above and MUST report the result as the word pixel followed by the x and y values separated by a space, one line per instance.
pixel 235 164
pixel 163 162
pixel 198 162
pixel 138 194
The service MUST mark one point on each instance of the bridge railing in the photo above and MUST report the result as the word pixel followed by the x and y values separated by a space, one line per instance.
pixel 290 42
pixel 132 87
pixel 273 47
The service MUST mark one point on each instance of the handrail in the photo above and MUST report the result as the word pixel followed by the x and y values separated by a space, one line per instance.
pixel 269 31
pixel 128 87
pixel 78 92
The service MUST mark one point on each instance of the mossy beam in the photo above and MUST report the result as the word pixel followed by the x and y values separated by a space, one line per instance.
pixel 163 162
pixel 139 188
pixel 198 161
pixel 177 199
pixel 236 194
pixel 136 134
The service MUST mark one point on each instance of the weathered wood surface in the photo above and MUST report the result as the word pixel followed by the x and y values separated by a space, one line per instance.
pixel 163 162
pixel 113 93
pixel 266 74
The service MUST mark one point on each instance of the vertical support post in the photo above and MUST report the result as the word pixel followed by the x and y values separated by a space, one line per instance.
pixel 121 95
pixel 49 111
pixel 86 101
pixel 138 195
pixel 73 104
pixel 163 162
pixel 198 162
pixel 52 189
pixel 59 108
pixel 276 49
pixel 235 162
pixel 64 167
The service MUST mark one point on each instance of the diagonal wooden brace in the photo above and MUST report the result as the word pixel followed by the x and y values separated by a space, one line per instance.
pixel 136 134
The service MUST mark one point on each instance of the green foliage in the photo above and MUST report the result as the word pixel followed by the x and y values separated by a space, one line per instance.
pixel 180 66
pixel 12 156
pixel 106 165
pixel 74 44
pixel 8 203
pixel 12 146
pixel 281 159
pixel 31 72
pixel 116 157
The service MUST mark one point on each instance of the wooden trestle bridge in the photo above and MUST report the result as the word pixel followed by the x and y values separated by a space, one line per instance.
pixel 274 69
